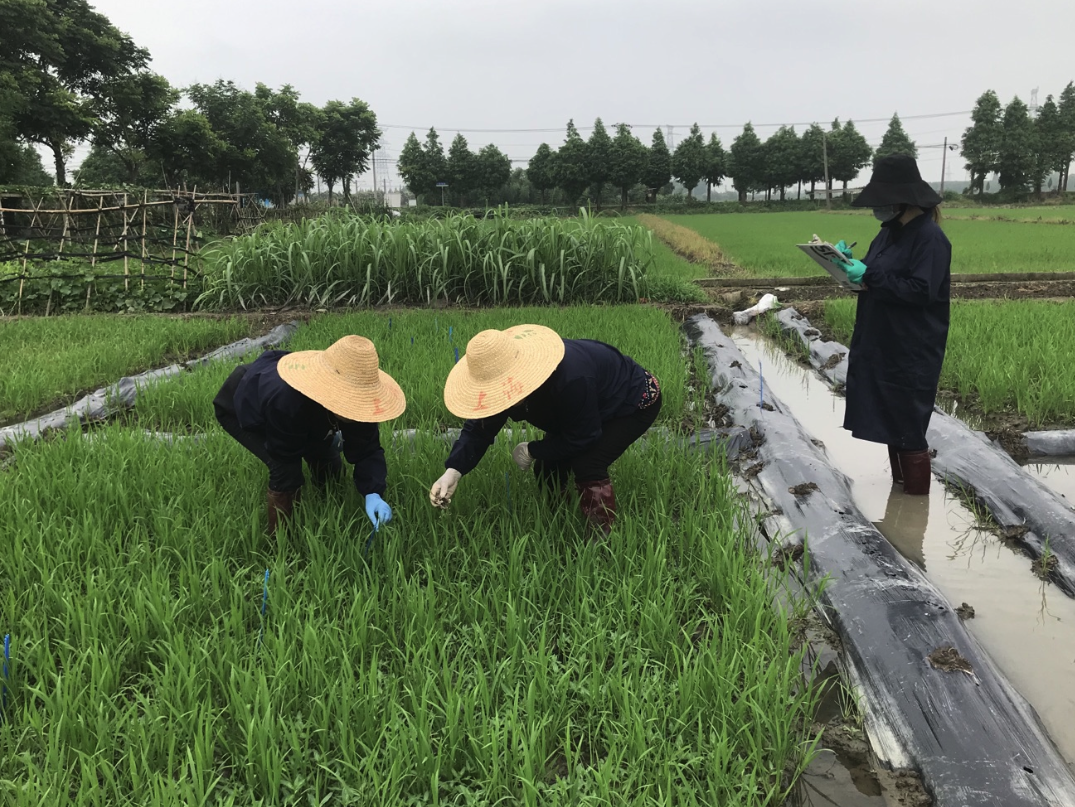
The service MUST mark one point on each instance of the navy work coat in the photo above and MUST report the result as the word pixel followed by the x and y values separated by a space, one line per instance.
pixel 901 331
pixel 592 384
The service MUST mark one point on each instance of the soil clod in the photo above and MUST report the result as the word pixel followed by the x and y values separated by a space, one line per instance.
pixel 736 364
pixel 1045 565
pixel 804 489
pixel 965 611
pixel 948 659
pixel 788 554
pixel 753 470
pixel 833 360
pixel 768 407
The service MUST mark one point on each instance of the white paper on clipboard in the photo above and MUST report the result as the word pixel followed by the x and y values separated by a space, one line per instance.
pixel 823 254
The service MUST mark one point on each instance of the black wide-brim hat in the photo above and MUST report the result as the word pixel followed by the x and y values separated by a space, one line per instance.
pixel 896 181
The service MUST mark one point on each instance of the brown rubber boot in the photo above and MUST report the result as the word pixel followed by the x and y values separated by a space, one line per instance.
pixel 916 472
pixel 280 505
pixel 894 462
pixel 597 500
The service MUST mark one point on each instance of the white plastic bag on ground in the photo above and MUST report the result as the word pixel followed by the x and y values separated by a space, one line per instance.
pixel 766 303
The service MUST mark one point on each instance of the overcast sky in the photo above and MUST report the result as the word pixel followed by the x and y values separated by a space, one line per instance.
pixel 532 64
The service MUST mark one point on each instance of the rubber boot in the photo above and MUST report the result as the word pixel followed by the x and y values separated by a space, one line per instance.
pixel 916 472
pixel 280 506
pixel 894 462
pixel 597 500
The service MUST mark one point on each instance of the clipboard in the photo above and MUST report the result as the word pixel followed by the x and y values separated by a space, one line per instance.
pixel 823 254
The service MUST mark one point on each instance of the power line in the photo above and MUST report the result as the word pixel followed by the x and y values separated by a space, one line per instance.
pixel 675 126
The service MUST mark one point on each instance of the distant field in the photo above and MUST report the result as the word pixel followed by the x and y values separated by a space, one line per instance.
pixel 1055 213
pixel 764 243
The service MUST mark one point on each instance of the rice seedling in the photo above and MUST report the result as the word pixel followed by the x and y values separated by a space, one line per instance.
pixel 49 362
pixel 1008 356
pixel 487 654
pixel 352 261
pixel 418 348
pixel 764 243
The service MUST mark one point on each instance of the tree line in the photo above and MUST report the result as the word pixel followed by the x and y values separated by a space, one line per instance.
pixel 585 168
pixel 68 76
pixel 1023 150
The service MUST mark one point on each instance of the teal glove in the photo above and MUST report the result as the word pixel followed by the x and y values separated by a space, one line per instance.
pixel 377 510
pixel 854 269
pixel 842 246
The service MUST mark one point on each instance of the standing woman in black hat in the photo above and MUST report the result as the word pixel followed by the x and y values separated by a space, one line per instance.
pixel 901 324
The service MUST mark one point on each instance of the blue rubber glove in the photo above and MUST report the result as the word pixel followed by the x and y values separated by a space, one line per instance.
pixel 842 246
pixel 377 510
pixel 854 269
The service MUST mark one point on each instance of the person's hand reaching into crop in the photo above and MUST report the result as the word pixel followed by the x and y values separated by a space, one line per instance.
pixel 440 495
pixel 522 457
pixel 377 510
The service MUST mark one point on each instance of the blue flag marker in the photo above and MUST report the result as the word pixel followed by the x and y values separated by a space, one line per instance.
pixel 264 607
pixel 3 684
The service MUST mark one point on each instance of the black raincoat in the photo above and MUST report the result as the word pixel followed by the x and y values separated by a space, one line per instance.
pixel 901 331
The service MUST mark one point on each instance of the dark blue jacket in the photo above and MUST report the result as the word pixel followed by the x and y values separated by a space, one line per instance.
pixel 901 331
pixel 593 383
pixel 296 427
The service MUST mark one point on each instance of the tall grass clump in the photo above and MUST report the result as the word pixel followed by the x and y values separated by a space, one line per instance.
pixel 487 654
pixel 1007 356
pixel 355 261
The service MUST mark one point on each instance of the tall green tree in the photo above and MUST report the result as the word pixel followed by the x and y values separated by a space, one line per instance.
pixel 541 170
pixel 689 160
pixel 627 161
pixel 130 111
pixel 253 152
pixel 572 165
pixel 1049 153
pixel 436 163
pixel 1017 148
pixel 849 153
pixel 413 167
pixel 895 141
pixel 493 171
pixel 658 171
pixel 462 169
pixel 104 168
pixel 1066 108
pixel 598 160
pixel 20 164
pixel 715 165
pixel 811 158
pixel 982 139
pixel 297 121
pixel 55 57
pixel 346 136
pixel 746 162
pixel 782 160
pixel 187 149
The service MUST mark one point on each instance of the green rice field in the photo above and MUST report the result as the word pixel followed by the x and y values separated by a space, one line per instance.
pixel 487 654
pixel 1045 213
pixel 764 243
pixel 52 360
pixel 1010 356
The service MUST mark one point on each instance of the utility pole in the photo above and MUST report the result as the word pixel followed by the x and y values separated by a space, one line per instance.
pixel 944 155
pixel 373 160
pixel 825 157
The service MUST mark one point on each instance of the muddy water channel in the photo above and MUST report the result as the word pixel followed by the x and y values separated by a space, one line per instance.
pixel 1026 625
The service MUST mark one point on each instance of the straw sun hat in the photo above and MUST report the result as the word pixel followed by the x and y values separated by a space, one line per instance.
pixel 501 368
pixel 346 380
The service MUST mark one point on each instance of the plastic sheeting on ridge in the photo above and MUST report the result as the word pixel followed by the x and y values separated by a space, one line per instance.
pixel 971 736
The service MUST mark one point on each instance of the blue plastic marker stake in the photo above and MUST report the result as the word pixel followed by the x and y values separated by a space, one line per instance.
pixel 264 607
pixel 450 334
pixel 412 341
pixel 369 541
pixel 3 684
pixel 389 323
pixel 457 355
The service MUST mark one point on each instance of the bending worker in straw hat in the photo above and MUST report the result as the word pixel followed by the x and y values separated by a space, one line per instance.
pixel 286 407
pixel 901 323
pixel 590 399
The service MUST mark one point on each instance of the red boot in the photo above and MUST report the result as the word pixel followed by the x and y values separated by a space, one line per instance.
pixel 916 472
pixel 894 462
pixel 597 500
